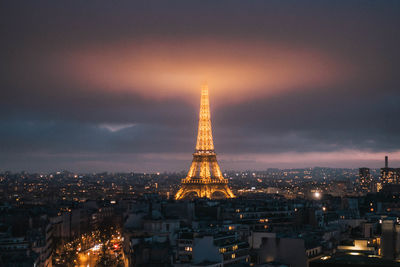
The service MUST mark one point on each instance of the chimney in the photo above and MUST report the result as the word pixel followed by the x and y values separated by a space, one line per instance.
pixel 386 161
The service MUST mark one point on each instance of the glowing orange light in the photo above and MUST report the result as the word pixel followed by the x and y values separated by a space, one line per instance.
pixel 204 176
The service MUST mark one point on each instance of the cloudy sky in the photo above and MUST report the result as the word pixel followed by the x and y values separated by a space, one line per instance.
pixel 115 85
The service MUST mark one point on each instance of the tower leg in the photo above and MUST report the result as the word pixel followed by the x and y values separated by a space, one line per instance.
pixel 179 194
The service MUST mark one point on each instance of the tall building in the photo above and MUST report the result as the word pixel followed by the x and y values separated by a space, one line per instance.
pixel 390 239
pixel 389 175
pixel 204 177
pixel 365 179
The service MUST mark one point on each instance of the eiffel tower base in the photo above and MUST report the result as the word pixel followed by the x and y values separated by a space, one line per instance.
pixel 203 190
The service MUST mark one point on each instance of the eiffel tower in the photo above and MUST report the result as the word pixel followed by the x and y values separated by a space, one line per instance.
pixel 204 177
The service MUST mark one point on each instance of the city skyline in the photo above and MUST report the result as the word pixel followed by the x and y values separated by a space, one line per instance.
pixel 114 87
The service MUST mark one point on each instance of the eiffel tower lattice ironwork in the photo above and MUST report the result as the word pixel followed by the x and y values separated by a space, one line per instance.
pixel 204 177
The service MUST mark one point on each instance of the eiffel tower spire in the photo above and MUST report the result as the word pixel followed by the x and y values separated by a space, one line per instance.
pixel 204 177
pixel 204 136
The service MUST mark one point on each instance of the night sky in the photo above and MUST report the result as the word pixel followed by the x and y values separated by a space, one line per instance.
pixel 115 85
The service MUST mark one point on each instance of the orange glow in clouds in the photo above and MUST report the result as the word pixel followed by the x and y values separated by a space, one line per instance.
pixel 233 70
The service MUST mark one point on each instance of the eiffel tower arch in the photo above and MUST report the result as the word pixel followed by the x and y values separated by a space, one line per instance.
pixel 204 177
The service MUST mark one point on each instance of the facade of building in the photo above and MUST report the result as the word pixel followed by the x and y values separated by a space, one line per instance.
pixel 365 180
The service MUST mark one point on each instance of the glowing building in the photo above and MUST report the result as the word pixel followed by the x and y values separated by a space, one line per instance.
pixel 389 175
pixel 365 179
pixel 204 177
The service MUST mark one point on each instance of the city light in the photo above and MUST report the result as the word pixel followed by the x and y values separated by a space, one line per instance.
pixel 354 253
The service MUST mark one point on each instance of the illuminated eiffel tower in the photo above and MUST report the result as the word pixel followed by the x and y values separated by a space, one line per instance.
pixel 204 177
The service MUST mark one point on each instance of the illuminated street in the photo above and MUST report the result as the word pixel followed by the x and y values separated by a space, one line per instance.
pixel 87 258
pixel 96 248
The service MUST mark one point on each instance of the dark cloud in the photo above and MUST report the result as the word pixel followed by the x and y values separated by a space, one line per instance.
pixel 319 120
pixel 66 137
pixel 49 120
